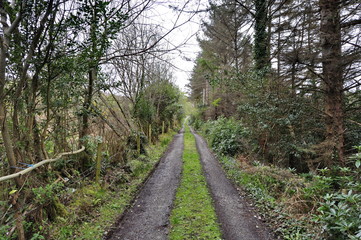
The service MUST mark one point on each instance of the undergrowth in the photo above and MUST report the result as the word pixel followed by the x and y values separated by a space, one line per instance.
pixel 277 193
pixel 94 208
pixel 326 205
pixel 193 215
pixel 321 205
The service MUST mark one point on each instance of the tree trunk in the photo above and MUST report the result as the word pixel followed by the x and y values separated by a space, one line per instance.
pixel 85 126
pixel 293 80
pixel 333 80
pixel 87 103
pixel 261 37
pixel 37 145
pixel 32 137
pixel 8 144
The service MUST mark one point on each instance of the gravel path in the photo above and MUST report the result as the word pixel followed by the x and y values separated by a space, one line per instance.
pixel 236 218
pixel 149 216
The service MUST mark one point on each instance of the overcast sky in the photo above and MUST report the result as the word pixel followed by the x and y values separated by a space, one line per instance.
pixel 184 36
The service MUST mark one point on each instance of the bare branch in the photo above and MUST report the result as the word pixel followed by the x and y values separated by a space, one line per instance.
pixel 246 8
pixel 29 169
pixel 351 23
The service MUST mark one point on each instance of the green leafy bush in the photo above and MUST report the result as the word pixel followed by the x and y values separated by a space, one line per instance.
pixel 196 121
pixel 226 136
pixel 47 194
pixel 340 209
pixel 282 129
pixel 340 215
pixel 4 230
pixel 140 165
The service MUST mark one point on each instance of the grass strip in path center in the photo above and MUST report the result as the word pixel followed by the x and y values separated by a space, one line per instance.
pixel 193 215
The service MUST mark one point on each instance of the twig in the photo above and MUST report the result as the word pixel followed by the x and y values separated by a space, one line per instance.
pixel 354 122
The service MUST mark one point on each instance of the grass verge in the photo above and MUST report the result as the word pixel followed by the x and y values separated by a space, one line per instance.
pixel 302 206
pixel 277 195
pixel 93 209
pixel 193 215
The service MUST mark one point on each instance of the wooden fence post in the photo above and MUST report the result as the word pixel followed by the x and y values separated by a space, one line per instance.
pixel 138 143
pixel 150 133
pixel 98 162
pixel 163 127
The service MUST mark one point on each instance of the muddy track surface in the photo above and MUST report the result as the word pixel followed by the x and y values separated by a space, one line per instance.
pixel 148 218
pixel 235 216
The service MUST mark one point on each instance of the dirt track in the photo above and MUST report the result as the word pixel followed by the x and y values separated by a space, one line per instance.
pixel 148 218
pixel 236 218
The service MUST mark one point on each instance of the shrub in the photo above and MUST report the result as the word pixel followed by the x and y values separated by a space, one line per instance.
pixel 45 195
pixel 283 129
pixel 196 121
pixel 340 215
pixel 226 136
pixel 340 210
pixel 139 166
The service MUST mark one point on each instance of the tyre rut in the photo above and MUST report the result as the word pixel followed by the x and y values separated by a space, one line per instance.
pixel 234 215
pixel 148 218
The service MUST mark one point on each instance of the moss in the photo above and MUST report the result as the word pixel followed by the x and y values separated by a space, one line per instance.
pixel 193 215
pixel 60 208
